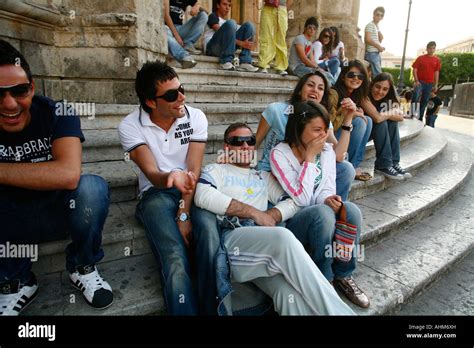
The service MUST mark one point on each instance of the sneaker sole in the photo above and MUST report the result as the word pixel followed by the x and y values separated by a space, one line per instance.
pixel 188 65
pixel 87 301
pixel 29 301
pixel 391 177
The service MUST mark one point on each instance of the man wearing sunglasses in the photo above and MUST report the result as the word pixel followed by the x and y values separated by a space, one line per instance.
pixel 373 39
pixel 260 259
pixel 42 192
pixel 166 139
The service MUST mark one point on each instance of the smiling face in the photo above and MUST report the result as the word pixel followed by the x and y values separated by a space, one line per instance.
pixel 380 90
pixel 326 38
pixel 312 130
pixel 313 89
pixel 241 156
pixel 14 111
pixel 352 83
pixel 168 110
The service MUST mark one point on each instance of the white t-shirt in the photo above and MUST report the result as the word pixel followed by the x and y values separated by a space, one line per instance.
pixel 373 29
pixel 169 148
pixel 337 49
pixel 209 32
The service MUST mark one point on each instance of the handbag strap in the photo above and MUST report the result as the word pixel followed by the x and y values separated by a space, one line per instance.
pixel 343 213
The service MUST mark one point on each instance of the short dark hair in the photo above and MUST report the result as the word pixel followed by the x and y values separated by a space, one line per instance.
pixel 9 55
pixel 431 43
pixel 311 21
pixel 150 74
pixel 361 92
pixel 235 126
pixel 304 112
pixel 379 9
pixel 392 93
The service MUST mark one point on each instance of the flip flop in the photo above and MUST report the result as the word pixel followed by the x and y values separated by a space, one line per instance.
pixel 364 176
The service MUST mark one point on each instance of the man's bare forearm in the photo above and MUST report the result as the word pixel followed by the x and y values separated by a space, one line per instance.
pixel 40 176
pixel 275 214
pixel 241 210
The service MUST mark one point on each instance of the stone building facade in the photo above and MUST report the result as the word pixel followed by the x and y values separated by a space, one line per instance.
pixel 89 50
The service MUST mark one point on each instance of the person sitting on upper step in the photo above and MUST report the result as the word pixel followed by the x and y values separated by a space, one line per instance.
pixel 271 128
pixel 182 37
pixel 167 139
pixel 255 254
pixel 385 134
pixel 305 166
pixel 223 35
pixel 42 192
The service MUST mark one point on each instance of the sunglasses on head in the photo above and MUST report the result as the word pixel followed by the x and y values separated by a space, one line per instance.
pixel 172 94
pixel 18 91
pixel 352 75
pixel 239 141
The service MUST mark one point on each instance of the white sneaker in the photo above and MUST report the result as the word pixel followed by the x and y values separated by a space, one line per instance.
pixel 247 67
pixel 14 297
pixel 282 72
pixel 97 292
pixel 264 70
pixel 191 49
pixel 188 62
pixel 227 66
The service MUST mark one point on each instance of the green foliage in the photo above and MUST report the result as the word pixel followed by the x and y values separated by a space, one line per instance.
pixel 456 66
pixel 395 72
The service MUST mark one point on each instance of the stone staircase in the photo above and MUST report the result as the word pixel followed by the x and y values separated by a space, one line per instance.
pixel 401 258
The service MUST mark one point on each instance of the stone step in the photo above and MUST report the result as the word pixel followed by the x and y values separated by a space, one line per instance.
pixel 108 116
pixel 122 234
pixel 203 62
pixel 123 181
pixel 450 295
pixel 234 78
pixel 104 144
pixel 392 271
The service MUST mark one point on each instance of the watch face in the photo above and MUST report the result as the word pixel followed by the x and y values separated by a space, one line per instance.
pixel 183 217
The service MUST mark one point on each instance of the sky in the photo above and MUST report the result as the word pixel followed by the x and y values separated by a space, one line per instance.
pixel 443 21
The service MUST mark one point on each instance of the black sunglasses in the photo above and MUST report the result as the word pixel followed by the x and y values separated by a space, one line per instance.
pixel 18 91
pixel 239 141
pixel 353 75
pixel 172 94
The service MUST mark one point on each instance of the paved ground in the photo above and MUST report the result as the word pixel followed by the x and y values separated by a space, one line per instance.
pixel 453 294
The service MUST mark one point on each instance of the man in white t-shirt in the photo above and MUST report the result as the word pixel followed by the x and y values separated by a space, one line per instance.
pixel 373 39
pixel 166 139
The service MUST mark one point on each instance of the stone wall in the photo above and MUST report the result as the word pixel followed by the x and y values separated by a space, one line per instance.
pixel 85 50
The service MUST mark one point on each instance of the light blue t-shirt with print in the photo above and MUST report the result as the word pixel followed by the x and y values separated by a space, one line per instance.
pixel 276 115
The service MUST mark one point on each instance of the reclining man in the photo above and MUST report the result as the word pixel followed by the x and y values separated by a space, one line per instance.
pixel 166 139
pixel 42 192
pixel 253 249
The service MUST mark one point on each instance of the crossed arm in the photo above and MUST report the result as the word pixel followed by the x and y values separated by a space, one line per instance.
pixel 62 173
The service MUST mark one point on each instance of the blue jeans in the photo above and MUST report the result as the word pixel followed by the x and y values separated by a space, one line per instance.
pixel 223 44
pixel 172 256
pixel 345 174
pixel 314 226
pixel 301 70
pixel 359 137
pixel 331 65
pixel 190 32
pixel 375 60
pixel 387 144
pixel 421 94
pixel 33 217
pixel 430 120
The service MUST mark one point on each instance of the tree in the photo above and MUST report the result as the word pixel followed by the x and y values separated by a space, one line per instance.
pixel 456 66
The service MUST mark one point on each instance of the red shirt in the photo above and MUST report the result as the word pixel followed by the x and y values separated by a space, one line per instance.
pixel 426 67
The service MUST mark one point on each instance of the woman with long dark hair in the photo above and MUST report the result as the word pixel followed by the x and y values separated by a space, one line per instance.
pixel 353 83
pixel 385 134
pixel 304 165
pixel 322 49
pixel 271 129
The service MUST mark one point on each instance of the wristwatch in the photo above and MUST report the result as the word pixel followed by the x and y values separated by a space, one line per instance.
pixel 183 217
pixel 347 128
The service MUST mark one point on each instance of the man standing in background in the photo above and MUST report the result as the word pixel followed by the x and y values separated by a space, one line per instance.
pixel 373 39
pixel 426 74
